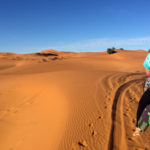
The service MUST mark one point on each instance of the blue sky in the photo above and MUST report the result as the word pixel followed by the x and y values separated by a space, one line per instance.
pixel 73 25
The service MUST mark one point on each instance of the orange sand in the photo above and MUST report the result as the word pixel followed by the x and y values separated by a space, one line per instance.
pixel 71 101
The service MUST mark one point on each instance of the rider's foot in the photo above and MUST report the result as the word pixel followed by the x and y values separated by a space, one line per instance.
pixel 137 132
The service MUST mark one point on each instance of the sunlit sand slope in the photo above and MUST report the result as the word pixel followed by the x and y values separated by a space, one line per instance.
pixel 71 101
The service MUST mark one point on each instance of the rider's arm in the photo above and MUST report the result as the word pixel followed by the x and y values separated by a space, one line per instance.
pixel 146 65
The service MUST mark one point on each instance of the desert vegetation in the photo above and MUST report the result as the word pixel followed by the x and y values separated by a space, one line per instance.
pixel 111 50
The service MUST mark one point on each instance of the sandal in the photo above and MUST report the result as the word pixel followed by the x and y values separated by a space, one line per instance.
pixel 137 132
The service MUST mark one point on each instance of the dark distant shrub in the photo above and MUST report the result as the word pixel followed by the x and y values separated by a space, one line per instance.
pixel 111 50
pixel 149 50
pixel 121 49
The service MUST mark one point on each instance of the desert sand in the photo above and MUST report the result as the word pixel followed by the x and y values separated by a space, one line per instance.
pixel 56 100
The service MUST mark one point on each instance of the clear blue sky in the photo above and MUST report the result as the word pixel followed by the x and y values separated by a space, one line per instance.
pixel 74 25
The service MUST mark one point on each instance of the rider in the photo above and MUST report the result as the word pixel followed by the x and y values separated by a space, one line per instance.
pixel 144 101
pixel 146 64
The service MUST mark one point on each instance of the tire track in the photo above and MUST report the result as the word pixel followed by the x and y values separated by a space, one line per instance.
pixel 117 129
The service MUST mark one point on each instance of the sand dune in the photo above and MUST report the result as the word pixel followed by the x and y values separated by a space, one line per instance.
pixel 71 101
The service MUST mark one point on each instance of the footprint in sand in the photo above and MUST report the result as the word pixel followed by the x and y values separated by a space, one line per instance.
pixel 94 133
pixel 82 144
pixel 109 99
pixel 99 117
pixel 125 114
pixel 91 125
pixel 130 139
pixel 133 121
pixel 105 107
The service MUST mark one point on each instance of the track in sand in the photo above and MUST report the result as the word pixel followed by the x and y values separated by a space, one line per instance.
pixel 122 84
